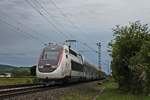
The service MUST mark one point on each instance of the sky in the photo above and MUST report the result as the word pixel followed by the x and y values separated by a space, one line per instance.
pixel 26 25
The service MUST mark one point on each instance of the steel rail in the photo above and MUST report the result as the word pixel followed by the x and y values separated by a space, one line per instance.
pixel 9 92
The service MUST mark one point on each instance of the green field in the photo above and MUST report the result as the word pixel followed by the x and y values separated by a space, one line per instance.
pixel 13 81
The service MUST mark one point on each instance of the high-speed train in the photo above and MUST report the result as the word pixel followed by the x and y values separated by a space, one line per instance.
pixel 61 63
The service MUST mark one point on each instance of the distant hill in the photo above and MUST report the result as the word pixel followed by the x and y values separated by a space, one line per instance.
pixel 16 71
pixel 2 66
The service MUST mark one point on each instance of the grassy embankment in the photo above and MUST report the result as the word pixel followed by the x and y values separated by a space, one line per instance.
pixel 112 93
pixel 93 93
pixel 19 80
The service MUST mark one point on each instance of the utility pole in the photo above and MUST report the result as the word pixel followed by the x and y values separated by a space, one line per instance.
pixel 99 55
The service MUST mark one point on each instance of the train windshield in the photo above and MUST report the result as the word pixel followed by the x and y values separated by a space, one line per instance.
pixel 50 56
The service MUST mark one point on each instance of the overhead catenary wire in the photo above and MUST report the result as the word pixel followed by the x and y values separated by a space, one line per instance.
pixel 68 18
pixel 73 24
pixel 34 7
pixel 14 28
pixel 48 21
pixel 51 16
pixel 17 29
pixel 20 24
pixel 61 25
pixel 28 35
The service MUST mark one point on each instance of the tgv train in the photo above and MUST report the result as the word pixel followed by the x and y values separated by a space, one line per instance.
pixel 61 63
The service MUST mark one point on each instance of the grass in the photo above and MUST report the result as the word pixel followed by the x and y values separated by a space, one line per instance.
pixel 90 92
pixel 13 81
pixel 112 93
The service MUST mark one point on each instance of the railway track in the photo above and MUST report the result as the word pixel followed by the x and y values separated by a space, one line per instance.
pixel 15 90
pixel 9 91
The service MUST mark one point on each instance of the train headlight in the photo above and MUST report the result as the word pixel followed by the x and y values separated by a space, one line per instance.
pixel 54 66
pixel 41 66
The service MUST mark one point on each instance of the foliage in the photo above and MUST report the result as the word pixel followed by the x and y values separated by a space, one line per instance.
pixel 33 70
pixel 131 57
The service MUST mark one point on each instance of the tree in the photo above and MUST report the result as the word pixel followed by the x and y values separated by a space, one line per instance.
pixel 33 70
pixel 130 56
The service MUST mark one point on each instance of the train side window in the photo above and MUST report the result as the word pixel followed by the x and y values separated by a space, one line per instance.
pixel 76 66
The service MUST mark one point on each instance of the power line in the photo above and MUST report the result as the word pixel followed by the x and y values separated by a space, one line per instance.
pixel 49 22
pixel 42 42
pixel 54 19
pixel 67 18
pixel 38 2
pixel 20 24
pixel 14 27
pixel 71 22
pixel 20 30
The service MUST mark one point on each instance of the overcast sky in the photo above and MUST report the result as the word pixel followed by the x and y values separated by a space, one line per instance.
pixel 25 25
